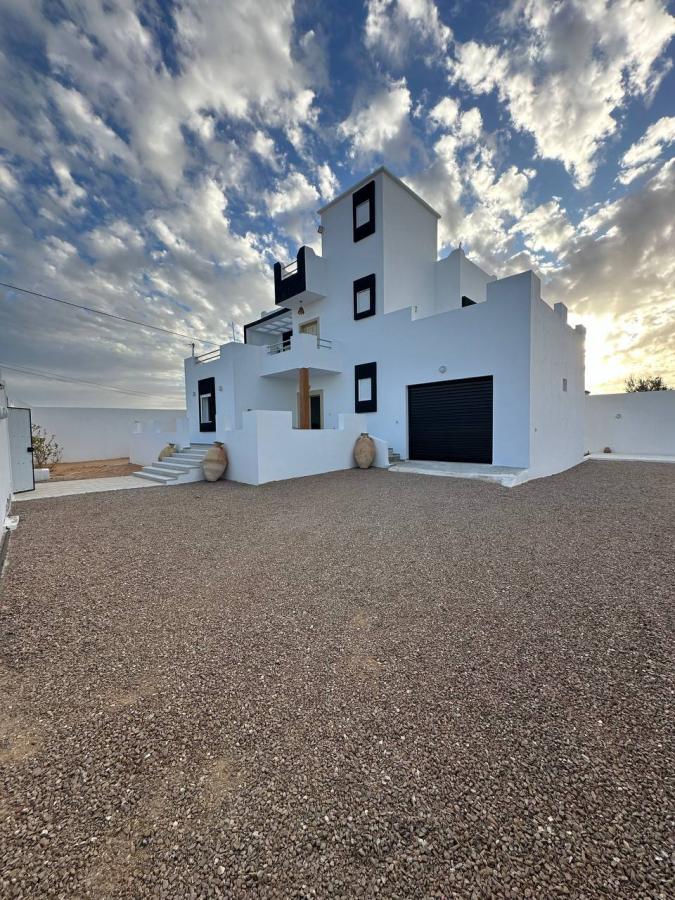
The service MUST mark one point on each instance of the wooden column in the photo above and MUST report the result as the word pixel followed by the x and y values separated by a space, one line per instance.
pixel 303 394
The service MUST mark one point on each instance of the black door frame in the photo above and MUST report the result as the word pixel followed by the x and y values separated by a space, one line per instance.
pixel 207 386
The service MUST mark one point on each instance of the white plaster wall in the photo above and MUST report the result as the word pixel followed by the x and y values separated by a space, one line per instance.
pixel 239 387
pixel 145 445
pixel 94 433
pixel 640 423
pixel 268 448
pixel 491 338
pixel 5 466
pixel 457 276
pixel 410 247
pixel 557 418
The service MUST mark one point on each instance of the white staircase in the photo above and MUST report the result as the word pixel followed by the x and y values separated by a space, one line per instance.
pixel 181 468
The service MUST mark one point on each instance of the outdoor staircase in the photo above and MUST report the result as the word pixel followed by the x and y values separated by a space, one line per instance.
pixel 181 468
pixel 394 457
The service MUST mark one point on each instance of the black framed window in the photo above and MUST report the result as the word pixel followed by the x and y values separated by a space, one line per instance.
pixel 363 211
pixel 365 388
pixel 364 297
pixel 206 395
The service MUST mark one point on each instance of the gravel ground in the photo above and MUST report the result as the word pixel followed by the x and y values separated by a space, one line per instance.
pixel 356 685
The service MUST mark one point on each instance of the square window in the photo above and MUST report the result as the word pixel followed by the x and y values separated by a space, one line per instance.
pixel 363 301
pixel 365 388
pixel 362 214
pixel 363 211
pixel 364 297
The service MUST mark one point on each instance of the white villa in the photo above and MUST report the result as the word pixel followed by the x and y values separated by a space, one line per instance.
pixel 437 359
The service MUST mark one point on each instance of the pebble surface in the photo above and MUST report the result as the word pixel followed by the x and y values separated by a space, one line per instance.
pixel 355 685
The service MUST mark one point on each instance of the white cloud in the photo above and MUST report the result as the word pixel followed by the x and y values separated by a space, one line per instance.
pixel 393 26
pixel 292 203
pixel 381 124
pixel 564 70
pixel 641 157
pixel 444 113
pixel 263 145
pixel 546 227
pixel 8 182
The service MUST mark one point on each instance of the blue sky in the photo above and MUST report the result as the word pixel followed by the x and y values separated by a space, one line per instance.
pixel 157 157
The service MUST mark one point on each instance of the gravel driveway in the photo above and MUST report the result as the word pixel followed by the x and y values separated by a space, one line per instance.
pixel 355 685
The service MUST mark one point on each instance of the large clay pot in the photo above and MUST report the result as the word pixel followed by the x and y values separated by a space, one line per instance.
pixel 215 462
pixel 364 451
pixel 168 451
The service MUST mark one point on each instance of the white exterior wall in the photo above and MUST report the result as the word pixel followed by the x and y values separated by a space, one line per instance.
pixel 457 277
pixel 642 423
pixel 5 465
pixel 87 433
pixel 410 248
pixel 557 416
pixel 268 448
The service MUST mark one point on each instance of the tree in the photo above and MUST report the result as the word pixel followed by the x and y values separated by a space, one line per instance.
pixel 645 383
pixel 46 452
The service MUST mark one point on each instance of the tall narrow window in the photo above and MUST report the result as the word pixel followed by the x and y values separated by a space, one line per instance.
pixel 365 388
pixel 364 297
pixel 363 210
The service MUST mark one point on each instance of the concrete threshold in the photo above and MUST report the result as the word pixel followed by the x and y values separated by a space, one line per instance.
pixel 506 476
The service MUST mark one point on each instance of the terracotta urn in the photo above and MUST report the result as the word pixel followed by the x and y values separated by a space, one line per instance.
pixel 364 451
pixel 168 451
pixel 215 462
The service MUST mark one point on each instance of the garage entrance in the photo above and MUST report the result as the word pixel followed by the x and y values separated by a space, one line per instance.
pixel 451 421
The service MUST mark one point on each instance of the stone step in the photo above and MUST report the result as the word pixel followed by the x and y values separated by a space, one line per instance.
pixel 169 466
pixel 153 476
pixel 182 459
pixel 156 469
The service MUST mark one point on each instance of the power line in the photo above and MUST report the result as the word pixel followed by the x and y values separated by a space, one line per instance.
pixel 100 312
pixel 53 375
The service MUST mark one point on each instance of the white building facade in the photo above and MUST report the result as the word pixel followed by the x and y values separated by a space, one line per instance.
pixel 438 359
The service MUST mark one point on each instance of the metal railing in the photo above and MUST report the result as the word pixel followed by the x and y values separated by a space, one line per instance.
pixel 208 357
pixel 289 269
pixel 283 346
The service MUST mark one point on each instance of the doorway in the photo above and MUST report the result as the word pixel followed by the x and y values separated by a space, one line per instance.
pixel 316 409
pixel 310 327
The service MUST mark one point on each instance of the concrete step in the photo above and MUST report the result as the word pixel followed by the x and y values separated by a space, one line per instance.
pixel 169 466
pixel 181 459
pixel 158 469
pixel 154 476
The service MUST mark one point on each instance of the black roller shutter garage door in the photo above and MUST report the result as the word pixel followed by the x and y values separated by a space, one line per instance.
pixel 451 421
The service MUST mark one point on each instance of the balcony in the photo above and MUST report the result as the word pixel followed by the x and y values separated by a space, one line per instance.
pixel 302 351
pixel 301 281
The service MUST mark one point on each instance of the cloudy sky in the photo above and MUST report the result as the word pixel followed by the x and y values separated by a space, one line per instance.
pixel 156 157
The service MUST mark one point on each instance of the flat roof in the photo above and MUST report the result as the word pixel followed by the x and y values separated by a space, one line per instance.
pixel 384 171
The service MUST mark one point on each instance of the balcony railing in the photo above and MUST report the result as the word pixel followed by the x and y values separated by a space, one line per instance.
pixel 209 356
pixel 284 346
pixel 289 269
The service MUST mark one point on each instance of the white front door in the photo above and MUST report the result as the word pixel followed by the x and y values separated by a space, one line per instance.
pixel 20 449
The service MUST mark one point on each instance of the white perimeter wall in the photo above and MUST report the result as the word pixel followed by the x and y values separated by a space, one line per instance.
pixel 268 448
pixel 640 423
pixel 5 467
pixel 93 433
